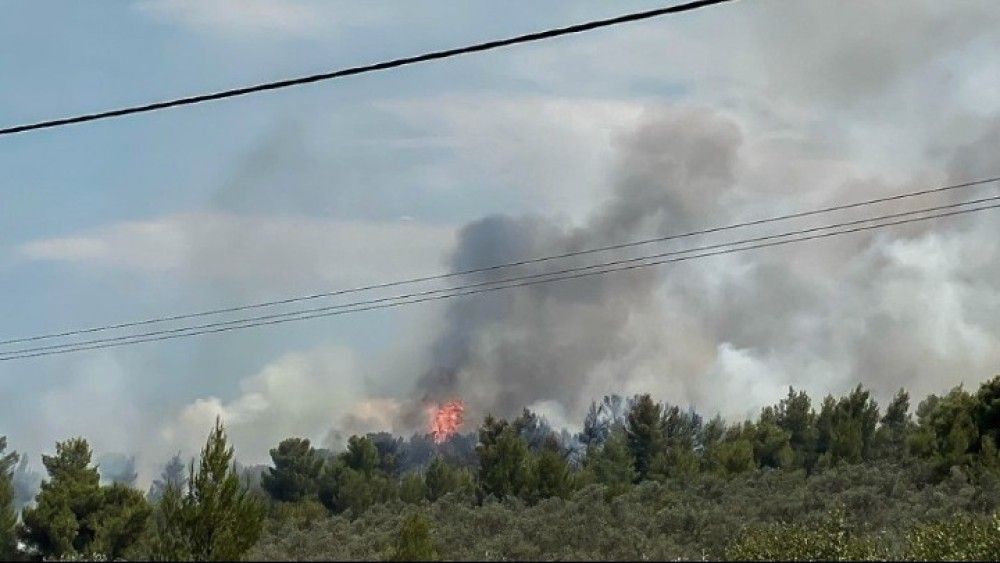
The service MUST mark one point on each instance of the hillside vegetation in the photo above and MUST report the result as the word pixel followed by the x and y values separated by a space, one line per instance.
pixel 841 479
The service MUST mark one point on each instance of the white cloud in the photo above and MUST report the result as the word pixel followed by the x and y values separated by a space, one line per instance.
pixel 237 16
pixel 259 252
pixel 553 151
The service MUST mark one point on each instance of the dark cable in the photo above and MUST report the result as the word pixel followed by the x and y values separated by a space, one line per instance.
pixel 622 265
pixel 525 262
pixel 434 55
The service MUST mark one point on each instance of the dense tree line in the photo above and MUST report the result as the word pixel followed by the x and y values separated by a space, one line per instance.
pixel 841 479
pixel 210 515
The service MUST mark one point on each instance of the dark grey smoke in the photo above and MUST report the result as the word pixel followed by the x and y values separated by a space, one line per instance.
pixel 507 350
pixel 117 468
pixel 716 334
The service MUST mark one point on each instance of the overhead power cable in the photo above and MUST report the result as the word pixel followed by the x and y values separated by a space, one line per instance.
pixel 789 237
pixel 385 65
pixel 496 267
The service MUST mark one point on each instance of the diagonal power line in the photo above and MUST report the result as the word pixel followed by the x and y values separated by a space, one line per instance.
pixel 385 65
pixel 498 267
pixel 781 239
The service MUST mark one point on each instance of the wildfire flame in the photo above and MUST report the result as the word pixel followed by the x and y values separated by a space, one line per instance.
pixel 446 420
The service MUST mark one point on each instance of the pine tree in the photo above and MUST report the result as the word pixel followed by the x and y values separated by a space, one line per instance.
pixel 440 479
pixel 75 516
pixel 354 481
pixel 390 452
pixel 734 454
pixel 361 455
pixel 854 426
pixel 121 520
pixel 946 429
pixel 681 430
pixel 412 489
pixel 414 541
pixel 824 425
pixel 612 464
pixel 988 409
pixel 217 519
pixel 794 415
pixel 894 427
pixel 174 475
pixel 296 471
pixel 595 429
pixel 644 433
pixel 61 522
pixel 168 539
pixel 552 476
pixel 503 460
pixel 846 428
pixel 8 516
pixel 771 447
pixel 225 519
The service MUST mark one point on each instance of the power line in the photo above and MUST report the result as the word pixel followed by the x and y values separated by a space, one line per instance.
pixel 525 262
pixel 483 287
pixel 510 285
pixel 434 55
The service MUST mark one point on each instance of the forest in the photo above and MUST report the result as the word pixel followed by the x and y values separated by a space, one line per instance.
pixel 838 479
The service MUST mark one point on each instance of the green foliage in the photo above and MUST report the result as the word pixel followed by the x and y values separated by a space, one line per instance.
pixel 296 471
pixel 847 427
pixel 74 516
pixel 167 538
pixel 962 538
pixel 302 514
pixel 840 482
pixel 987 410
pixel 344 488
pixel 504 461
pixel 361 455
pixel 414 541
pixel 357 479
pixel 894 427
pixel 442 478
pixel 947 431
pixel 612 464
pixel 120 521
pixel 174 474
pixel 696 518
pixel 771 445
pixel 644 433
pixel 552 477
pixel 60 523
pixel 8 516
pixel 829 540
pixel 795 416
pixel 733 453
pixel 412 489
pixel 680 431
pixel 217 519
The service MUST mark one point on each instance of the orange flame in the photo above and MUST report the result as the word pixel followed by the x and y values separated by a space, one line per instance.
pixel 446 420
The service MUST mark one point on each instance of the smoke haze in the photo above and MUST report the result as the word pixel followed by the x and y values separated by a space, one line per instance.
pixel 741 113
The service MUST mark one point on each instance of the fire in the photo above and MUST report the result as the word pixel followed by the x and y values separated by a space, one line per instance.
pixel 446 420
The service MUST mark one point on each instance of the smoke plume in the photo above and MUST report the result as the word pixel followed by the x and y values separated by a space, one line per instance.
pixel 887 309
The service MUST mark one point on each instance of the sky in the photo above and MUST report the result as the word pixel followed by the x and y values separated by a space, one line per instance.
pixel 741 111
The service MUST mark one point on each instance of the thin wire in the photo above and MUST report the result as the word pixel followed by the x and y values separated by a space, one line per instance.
pixel 623 265
pixel 496 267
pixel 434 55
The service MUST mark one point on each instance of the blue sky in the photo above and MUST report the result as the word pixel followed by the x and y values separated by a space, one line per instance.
pixel 372 178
